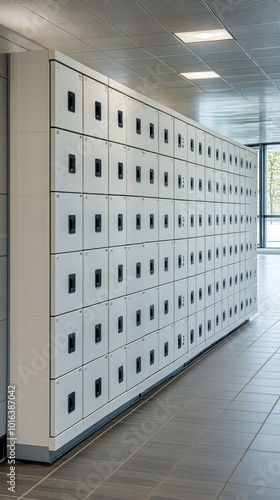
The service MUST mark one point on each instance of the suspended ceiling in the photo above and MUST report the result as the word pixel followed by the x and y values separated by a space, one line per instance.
pixel 134 43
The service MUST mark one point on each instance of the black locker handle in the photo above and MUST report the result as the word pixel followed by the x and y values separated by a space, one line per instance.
pixel 98 333
pixel 98 167
pixel 179 261
pixel 192 336
pixel 209 290
pixel 166 136
pixel 138 222
pixel 200 148
pixel 138 269
pixel 180 301
pixel 166 264
pixel 152 131
pixel 138 126
pixel 166 221
pixel 192 145
pixel 71 101
pixel 138 364
pixel 192 220
pixel 192 183
pixel 179 341
pixel 71 164
pixel 72 224
pixel 138 317
pixel 200 331
pixel 166 179
pixel 209 255
pixel 98 387
pixel 138 173
pixel 152 176
pixel 152 266
pixel 192 258
pixel 152 312
pixel 98 113
pixel 120 324
pixel 152 357
pixel 179 181
pixel 71 283
pixel 120 222
pixel 165 349
pixel 120 374
pixel 120 118
pixel 120 170
pixel 166 307
pixel 209 152
pixel 98 278
pixel 98 223
pixel 217 154
pixel 71 343
pixel 179 221
pixel 152 221
pixel 192 297
pixel 200 294
pixel 71 402
pixel 200 184
pixel 120 273
pixel 179 141
pixel 200 256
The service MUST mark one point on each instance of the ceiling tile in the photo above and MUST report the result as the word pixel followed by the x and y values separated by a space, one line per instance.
pixel 256 30
pixel 260 42
pixel 69 46
pixel 155 39
pixel 61 11
pixel 146 62
pixel 268 61
pixel 186 22
pixel 223 46
pixel 238 64
pixel 214 57
pixel 181 59
pixel 90 57
pixel 103 66
pixel 108 43
pixel 119 54
pixel 18 39
pixel 170 50
pixel 86 29
pixel 7 47
pixel 174 8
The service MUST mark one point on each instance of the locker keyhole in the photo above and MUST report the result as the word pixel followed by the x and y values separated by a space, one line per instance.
pixel 98 223
pixel 98 387
pixel 72 224
pixel 120 273
pixel 71 283
pixel 98 332
pixel 152 357
pixel 138 269
pixel 166 221
pixel 166 307
pixel 165 349
pixel 152 131
pixel 192 145
pixel 191 336
pixel 166 136
pixel 98 114
pixel 138 364
pixel 138 173
pixel 166 179
pixel 152 266
pixel 120 119
pixel 98 278
pixel 120 324
pixel 152 221
pixel 138 126
pixel 120 222
pixel 138 317
pixel 138 222
pixel 71 164
pixel 71 343
pixel 71 101
pixel 71 402
pixel 166 264
pixel 179 341
pixel 120 374
pixel 98 167
pixel 152 176
pixel 120 170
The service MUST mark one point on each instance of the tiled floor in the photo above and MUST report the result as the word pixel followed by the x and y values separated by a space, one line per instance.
pixel 211 433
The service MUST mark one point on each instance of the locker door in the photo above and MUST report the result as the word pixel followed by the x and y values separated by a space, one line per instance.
pixel 135 172
pixel 210 219
pixel 209 288
pixel 225 158
pixel 200 256
pixel 227 218
pixel 192 333
pixel 242 276
pixel 231 248
pixel 166 261
pixel 135 210
pixel 135 358
pixel 200 327
pixel 150 129
pixel 242 218
pixel 150 222
pixel 192 296
pixel 66 282
pixel 209 150
pixel 180 223
pixel 180 180
pixel 66 222
pixel 95 324
pixel 200 292
pixel 95 108
pixel 200 219
pixel 181 340
pixel 242 304
pixel 66 98
pixel 165 177
pixel 218 186
pixel 95 166
pixel 135 316
pixel 166 346
pixel 66 161
pixel 151 310
pixel 218 317
pixel 165 134
pixel 117 272
pixel 230 157
pixel 200 183
pixel 166 219
pixel 209 253
pixel 117 220
pixel 117 323
pixel 242 189
pixel 191 181
pixel 224 182
pixel 191 211
pixel 236 306
pixel 180 259
pixel 135 123
pixel 236 198
pixel 66 343
pixel 180 139
pixel 218 251
pixel 151 354
pixel 95 221
pixel 210 192
pixel 209 322
pixel 218 285
pixel 96 385
pixel 151 264
pixel 231 188
pixel 66 401
pixel 166 305
pixel 117 168
pixel 228 281
pixel 135 265
pixel 236 160
pixel 218 153
pixel 150 175
pixel 236 247
pixel 117 373
pixel 192 255
pixel 225 250
pixel 117 117
pixel 225 313
pixel 95 276
pixel 200 147
pixel 230 315
pixel 236 286
pixel 180 302
pixel 191 150
pixel 242 246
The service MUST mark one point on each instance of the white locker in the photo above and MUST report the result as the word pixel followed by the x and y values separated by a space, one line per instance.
pixel 236 160
pixel 218 186
pixel 135 316
pixel 227 218
pixel 218 153
pixel 95 276
pixel 209 253
pixel 96 385
pixel 166 219
pixel 117 272
pixel 117 323
pixel 66 98
pixel 66 161
pixel 209 150
pixel 225 158
pixel 191 150
pixel 181 219
pixel 151 129
pixel 200 327
pixel 95 328
pixel 225 250
pixel 136 177
pixel 200 219
pixel 224 182
pixel 180 259
pixel 66 401
pixel 180 139
pixel 180 300
pixel 151 354
pixel 225 312
pixel 165 176
pixel 218 285
pixel 117 220
pixel 166 305
pixel 200 183
pixel 150 221
pixel 210 219
pixel 228 280
pixel 151 264
pixel 192 296
pixel 231 248
pixel 210 191
pixel 166 127
pixel 191 212
pixel 96 159
pixel 66 343
pixel 66 222
pixel 180 180
pixel 117 169
pixel 209 322
pixel 151 311
pixel 150 175
pixel 242 246
pixel 66 282
pixel 242 304
pixel 231 157
pixel 231 188
pixel 95 108
pixel 236 306
pixel 201 256
pixel 117 373
pixel 166 346
pixel 218 218
pixel 117 117
pixel 135 358
pixel 218 317
pixel 200 147
pixel 218 251
pixel 200 292
pixel 135 265
pixel 135 229
pixel 242 276
pixel 209 288
pixel 180 338
pixel 230 309
pixel 191 181
pixel 166 261
pixel 96 229
pixel 191 257
pixel 135 123
pixel 192 333
pixel 236 284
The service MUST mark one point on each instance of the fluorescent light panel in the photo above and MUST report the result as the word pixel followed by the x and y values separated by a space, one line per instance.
pixel 200 75
pixel 204 36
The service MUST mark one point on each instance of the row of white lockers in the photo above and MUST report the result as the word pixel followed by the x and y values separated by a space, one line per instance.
pixel 89 165
pixel 94 221
pixel 81 336
pixel 83 105
pixel 85 389
pixel 80 279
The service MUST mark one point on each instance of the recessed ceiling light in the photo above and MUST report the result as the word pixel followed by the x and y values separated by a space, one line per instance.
pixel 202 36
pixel 200 75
